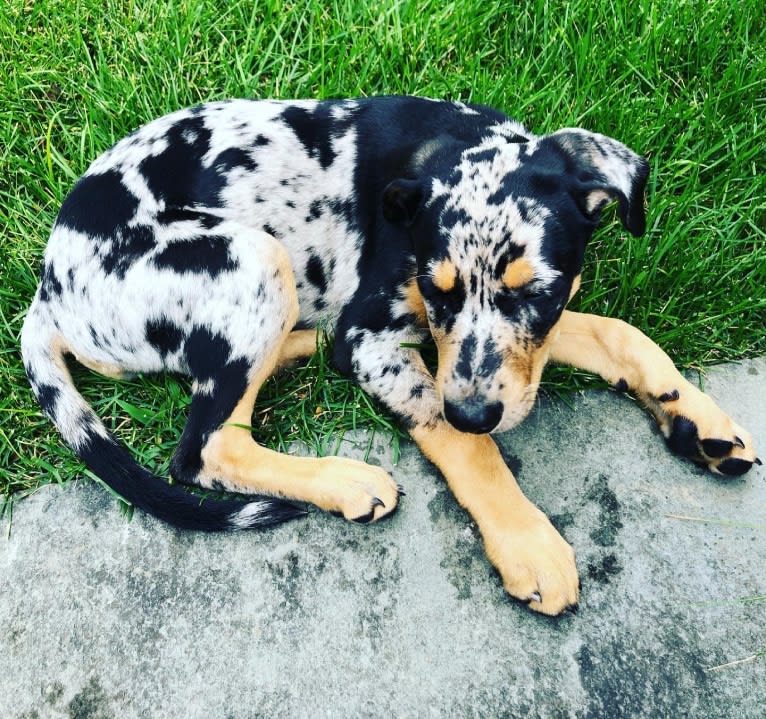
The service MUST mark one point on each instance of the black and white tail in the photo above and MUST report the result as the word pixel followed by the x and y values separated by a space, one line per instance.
pixel 109 460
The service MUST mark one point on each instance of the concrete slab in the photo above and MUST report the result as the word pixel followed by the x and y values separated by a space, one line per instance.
pixel 320 618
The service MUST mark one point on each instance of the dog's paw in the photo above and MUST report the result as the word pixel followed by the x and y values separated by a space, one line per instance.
pixel 364 493
pixel 696 428
pixel 536 564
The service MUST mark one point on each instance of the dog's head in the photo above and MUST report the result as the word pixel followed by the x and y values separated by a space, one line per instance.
pixel 499 240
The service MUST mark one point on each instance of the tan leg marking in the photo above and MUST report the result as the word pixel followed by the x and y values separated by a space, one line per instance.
pixel 299 344
pixel 535 562
pixel 59 348
pixel 623 355
pixel 233 459
pixel 103 368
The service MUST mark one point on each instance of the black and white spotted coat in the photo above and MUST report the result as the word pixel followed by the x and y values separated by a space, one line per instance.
pixel 170 254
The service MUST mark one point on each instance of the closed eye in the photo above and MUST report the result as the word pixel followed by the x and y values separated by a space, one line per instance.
pixel 532 290
pixel 451 300
pixel 510 301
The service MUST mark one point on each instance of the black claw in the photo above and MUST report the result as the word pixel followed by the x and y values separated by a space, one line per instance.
pixel 669 396
pixel 572 608
pixel 364 519
pixel 716 447
pixel 734 466
pixel 367 518
pixel 400 490
pixel 739 443
pixel 758 461
pixel 621 386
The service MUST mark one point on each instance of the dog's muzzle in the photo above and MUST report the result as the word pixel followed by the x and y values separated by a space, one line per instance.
pixel 473 414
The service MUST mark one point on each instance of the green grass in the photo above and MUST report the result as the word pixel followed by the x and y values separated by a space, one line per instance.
pixel 683 82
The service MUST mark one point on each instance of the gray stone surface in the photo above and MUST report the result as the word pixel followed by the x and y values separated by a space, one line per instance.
pixel 320 618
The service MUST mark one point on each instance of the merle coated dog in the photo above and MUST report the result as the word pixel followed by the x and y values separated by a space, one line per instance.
pixel 212 241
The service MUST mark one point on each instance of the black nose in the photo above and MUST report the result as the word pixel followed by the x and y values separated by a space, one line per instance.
pixel 473 415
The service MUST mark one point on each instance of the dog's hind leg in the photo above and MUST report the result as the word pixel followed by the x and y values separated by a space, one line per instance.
pixel 232 460
pixel 299 344
pixel 693 425
pixel 217 450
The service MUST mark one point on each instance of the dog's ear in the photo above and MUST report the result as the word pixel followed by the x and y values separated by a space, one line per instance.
pixel 603 170
pixel 402 200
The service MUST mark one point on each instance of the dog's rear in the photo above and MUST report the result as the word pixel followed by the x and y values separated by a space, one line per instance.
pixel 43 350
pixel 165 257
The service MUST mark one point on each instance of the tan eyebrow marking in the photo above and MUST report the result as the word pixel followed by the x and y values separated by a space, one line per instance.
pixel 444 275
pixel 518 273
pixel 575 287
pixel 414 301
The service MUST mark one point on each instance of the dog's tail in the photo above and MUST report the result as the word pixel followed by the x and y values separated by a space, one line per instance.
pixel 109 460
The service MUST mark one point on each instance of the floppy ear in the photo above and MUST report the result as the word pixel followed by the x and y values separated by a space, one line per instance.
pixel 401 200
pixel 604 170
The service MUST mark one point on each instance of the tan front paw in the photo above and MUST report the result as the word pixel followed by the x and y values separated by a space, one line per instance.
pixel 696 428
pixel 536 564
pixel 362 493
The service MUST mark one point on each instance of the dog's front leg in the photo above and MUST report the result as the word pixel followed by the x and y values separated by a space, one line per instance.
pixel 693 425
pixel 536 565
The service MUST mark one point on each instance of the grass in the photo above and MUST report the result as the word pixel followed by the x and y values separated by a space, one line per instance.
pixel 682 81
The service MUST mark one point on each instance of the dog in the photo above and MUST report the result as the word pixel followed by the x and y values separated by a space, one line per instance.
pixel 212 241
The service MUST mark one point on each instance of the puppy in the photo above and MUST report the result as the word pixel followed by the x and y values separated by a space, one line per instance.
pixel 212 241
